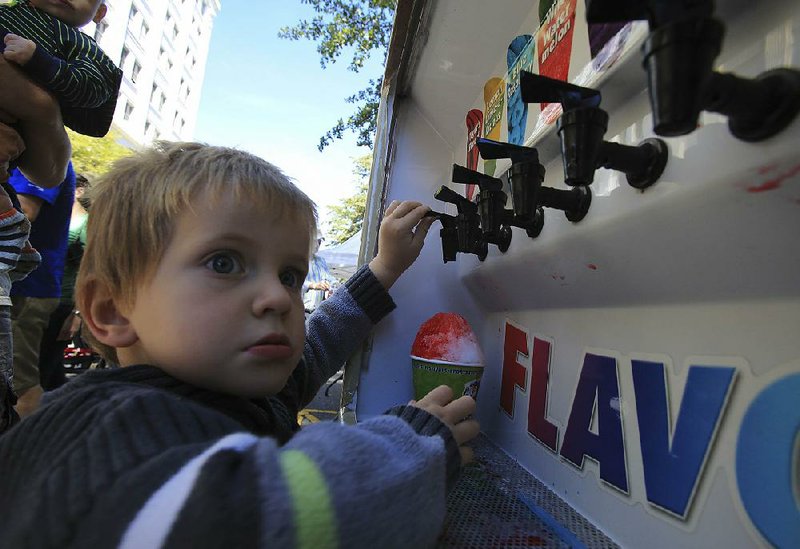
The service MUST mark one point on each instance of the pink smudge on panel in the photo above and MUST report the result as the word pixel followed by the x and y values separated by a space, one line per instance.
pixel 592 266
pixel 775 183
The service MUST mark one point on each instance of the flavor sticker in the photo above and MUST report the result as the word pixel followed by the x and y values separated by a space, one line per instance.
pixel 474 131
pixel 493 98
pixel 519 57
pixel 554 46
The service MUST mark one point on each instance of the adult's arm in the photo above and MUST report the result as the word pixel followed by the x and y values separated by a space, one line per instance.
pixel 38 121
pixel 11 146
pixel 31 205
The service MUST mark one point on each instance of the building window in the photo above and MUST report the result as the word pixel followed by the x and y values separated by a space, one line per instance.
pixel 147 126
pixel 143 30
pixel 128 110
pixel 99 30
pixel 174 32
pixel 124 57
pixel 135 71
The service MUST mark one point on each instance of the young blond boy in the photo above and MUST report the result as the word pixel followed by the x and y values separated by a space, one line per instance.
pixel 191 281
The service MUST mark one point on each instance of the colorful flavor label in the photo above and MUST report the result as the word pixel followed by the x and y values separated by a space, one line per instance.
pixel 554 44
pixel 519 57
pixel 474 123
pixel 493 98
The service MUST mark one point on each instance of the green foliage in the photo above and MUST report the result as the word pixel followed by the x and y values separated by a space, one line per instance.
pixel 360 26
pixel 347 217
pixel 93 156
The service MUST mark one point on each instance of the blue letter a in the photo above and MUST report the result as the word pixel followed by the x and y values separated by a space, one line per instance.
pixel 598 382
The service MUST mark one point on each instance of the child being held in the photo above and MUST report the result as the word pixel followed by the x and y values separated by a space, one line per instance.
pixel 191 281
pixel 42 37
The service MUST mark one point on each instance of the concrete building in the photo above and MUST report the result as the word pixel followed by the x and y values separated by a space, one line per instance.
pixel 162 47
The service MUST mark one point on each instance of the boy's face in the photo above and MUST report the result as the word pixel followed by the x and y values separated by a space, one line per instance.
pixel 224 309
pixel 75 13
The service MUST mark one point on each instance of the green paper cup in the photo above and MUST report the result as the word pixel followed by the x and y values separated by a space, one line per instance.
pixel 427 374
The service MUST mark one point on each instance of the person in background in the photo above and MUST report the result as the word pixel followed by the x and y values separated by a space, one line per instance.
pixel 319 282
pixel 65 320
pixel 191 282
pixel 42 37
pixel 36 297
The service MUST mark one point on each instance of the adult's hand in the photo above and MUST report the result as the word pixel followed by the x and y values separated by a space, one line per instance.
pixel 38 120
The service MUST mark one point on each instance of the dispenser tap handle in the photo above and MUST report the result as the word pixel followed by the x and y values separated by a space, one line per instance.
pixel 541 89
pixel 446 194
pixel 491 150
pixel 656 12
pixel 446 220
pixel 483 181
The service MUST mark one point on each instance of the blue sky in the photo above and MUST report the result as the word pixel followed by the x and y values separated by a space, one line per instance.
pixel 271 97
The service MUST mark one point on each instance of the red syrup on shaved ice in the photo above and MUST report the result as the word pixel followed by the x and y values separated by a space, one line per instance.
pixel 446 352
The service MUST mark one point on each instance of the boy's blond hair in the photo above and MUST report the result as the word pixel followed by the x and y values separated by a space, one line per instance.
pixel 136 204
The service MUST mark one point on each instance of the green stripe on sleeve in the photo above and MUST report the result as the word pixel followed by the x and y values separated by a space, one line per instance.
pixel 314 517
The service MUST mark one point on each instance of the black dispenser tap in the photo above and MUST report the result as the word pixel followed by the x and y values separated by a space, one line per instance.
pixel 495 219
pixel 526 175
pixel 581 128
pixel 679 57
pixel 462 232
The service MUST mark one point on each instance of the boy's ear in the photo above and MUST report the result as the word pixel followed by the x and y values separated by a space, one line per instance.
pixel 107 322
pixel 102 9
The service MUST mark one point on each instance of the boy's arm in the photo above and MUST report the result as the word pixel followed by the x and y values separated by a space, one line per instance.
pixel 380 484
pixel 37 118
pixel 338 327
pixel 334 331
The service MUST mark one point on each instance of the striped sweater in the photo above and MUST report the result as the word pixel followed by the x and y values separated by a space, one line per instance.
pixel 17 257
pixel 133 458
pixel 68 63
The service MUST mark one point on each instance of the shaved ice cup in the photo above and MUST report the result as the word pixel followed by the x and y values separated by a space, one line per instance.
pixel 427 374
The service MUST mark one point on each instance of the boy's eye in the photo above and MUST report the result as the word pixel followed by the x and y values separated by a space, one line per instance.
pixel 291 278
pixel 223 263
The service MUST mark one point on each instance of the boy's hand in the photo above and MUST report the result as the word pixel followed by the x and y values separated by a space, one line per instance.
pixel 453 413
pixel 18 49
pixel 400 239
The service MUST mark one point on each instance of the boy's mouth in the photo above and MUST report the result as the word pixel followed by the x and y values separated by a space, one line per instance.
pixel 273 346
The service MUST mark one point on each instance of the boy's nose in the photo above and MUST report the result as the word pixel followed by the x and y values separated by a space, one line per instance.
pixel 272 296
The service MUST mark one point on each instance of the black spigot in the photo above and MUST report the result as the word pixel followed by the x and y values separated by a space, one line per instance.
pixel 462 232
pixel 679 57
pixel 495 219
pixel 448 233
pixel 526 175
pixel 581 128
